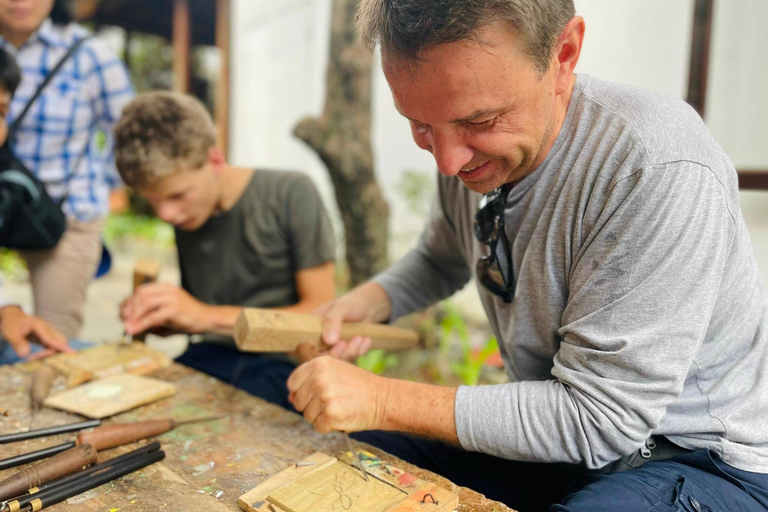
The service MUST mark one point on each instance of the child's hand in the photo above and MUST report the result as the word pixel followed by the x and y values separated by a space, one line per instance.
pixel 164 308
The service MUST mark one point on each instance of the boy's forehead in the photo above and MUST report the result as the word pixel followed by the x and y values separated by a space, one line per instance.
pixel 169 183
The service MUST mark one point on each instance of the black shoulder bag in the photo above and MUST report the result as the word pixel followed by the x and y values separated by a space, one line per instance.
pixel 29 217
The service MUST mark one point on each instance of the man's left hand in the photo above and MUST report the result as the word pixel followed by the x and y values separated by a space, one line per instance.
pixel 335 395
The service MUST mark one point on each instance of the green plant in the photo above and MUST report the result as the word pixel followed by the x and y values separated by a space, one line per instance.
pixel 378 361
pixel 453 332
pixel 12 267
pixel 128 225
pixel 468 368
pixel 417 189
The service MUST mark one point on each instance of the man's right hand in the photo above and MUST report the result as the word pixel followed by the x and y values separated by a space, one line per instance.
pixel 366 303
pixel 18 329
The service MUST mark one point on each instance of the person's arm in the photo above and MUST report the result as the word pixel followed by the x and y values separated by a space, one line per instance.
pixel 313 285
pixel 112 90
pixel 321 389
pixel 436 268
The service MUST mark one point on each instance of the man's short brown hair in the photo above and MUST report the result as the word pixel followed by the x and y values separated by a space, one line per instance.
pixel 406 27
pixel 160 133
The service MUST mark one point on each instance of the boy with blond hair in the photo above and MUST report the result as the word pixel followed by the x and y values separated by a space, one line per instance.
pixel 245 238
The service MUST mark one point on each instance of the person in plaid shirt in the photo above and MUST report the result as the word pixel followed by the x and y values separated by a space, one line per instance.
pixel 65 139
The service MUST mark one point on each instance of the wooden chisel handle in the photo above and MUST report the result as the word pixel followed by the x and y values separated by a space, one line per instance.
pixel 49 469
pixel 109 436
pixel 41 385
pixel 145 271
pixel 267 330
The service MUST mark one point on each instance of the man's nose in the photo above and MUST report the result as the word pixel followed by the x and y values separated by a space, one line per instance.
pixel 451 152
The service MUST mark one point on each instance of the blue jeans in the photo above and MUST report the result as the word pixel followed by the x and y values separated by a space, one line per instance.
pixel 693 482
pixel 260 375
pixel 8 356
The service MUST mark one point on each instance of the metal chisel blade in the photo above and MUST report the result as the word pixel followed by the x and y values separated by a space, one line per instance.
pixel 356 456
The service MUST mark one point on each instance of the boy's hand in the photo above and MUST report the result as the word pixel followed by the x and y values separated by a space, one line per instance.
pixel 164 306
pixel 18 329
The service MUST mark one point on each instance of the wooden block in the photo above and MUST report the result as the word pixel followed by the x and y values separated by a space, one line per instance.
pixel 258 495
pixel 108 360
pixel 338 486
pixel 332 485
pixel 439 500
pixel 267 330
pixel 110 396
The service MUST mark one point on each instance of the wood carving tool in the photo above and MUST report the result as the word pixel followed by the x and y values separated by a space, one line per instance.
pixel 58 494
pixel 267 330
pixel 110 436
pixel 356 456
pixel 144 272
pixel 41 385
pixel 22 501
pixel 26 458
pixel 59 465
pixel 49 431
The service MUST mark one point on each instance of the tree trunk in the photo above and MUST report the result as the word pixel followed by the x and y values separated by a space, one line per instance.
pixel 341 138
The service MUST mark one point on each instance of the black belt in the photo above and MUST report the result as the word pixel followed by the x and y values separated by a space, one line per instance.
pixel 654 448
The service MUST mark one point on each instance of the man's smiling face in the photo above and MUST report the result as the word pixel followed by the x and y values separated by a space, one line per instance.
pixel 483 110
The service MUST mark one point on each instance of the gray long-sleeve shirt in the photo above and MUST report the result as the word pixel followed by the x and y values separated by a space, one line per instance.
pixel 638 307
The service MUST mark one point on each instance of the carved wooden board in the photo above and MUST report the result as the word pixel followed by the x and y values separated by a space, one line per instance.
pixel 329 485
pixel 107 397
pixel 108 360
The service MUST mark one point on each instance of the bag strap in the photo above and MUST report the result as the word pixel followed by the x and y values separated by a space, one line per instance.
pixel 46 81
pixel 48 78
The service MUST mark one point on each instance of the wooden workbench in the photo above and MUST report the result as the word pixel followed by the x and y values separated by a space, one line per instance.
pixel 208 465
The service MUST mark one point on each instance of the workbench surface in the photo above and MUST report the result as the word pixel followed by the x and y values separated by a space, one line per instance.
pixel 207 465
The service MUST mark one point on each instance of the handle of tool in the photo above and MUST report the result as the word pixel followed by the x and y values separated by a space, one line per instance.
pixel 54 467
pixel 41 385
pixel 26 458
pixel 66 481
pixel 59 494
pixel 267 330
pixel 145 271
pixel 48 431
pixel 110 436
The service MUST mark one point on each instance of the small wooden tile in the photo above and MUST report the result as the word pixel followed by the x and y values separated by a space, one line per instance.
pixel 110 396
pixel 336 487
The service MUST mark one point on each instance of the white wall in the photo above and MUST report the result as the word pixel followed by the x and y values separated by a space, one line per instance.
pixel 737 104
pixel 280 50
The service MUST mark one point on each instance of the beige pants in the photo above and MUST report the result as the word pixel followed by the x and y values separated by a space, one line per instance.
pixel 60 276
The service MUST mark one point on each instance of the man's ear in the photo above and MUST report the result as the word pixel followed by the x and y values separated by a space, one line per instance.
pixel 567 52
pixel 216 159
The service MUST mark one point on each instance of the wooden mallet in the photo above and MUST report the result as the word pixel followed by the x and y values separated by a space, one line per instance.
pixel 268 330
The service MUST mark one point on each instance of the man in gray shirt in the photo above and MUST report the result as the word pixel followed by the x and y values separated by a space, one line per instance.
pixel 602 224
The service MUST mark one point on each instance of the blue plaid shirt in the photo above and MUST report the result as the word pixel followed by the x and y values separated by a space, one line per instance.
pixel 57 139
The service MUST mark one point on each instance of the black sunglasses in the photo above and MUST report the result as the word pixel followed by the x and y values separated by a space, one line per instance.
pixel 496 277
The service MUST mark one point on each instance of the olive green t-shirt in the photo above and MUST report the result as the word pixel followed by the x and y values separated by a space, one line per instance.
pixel 249 255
